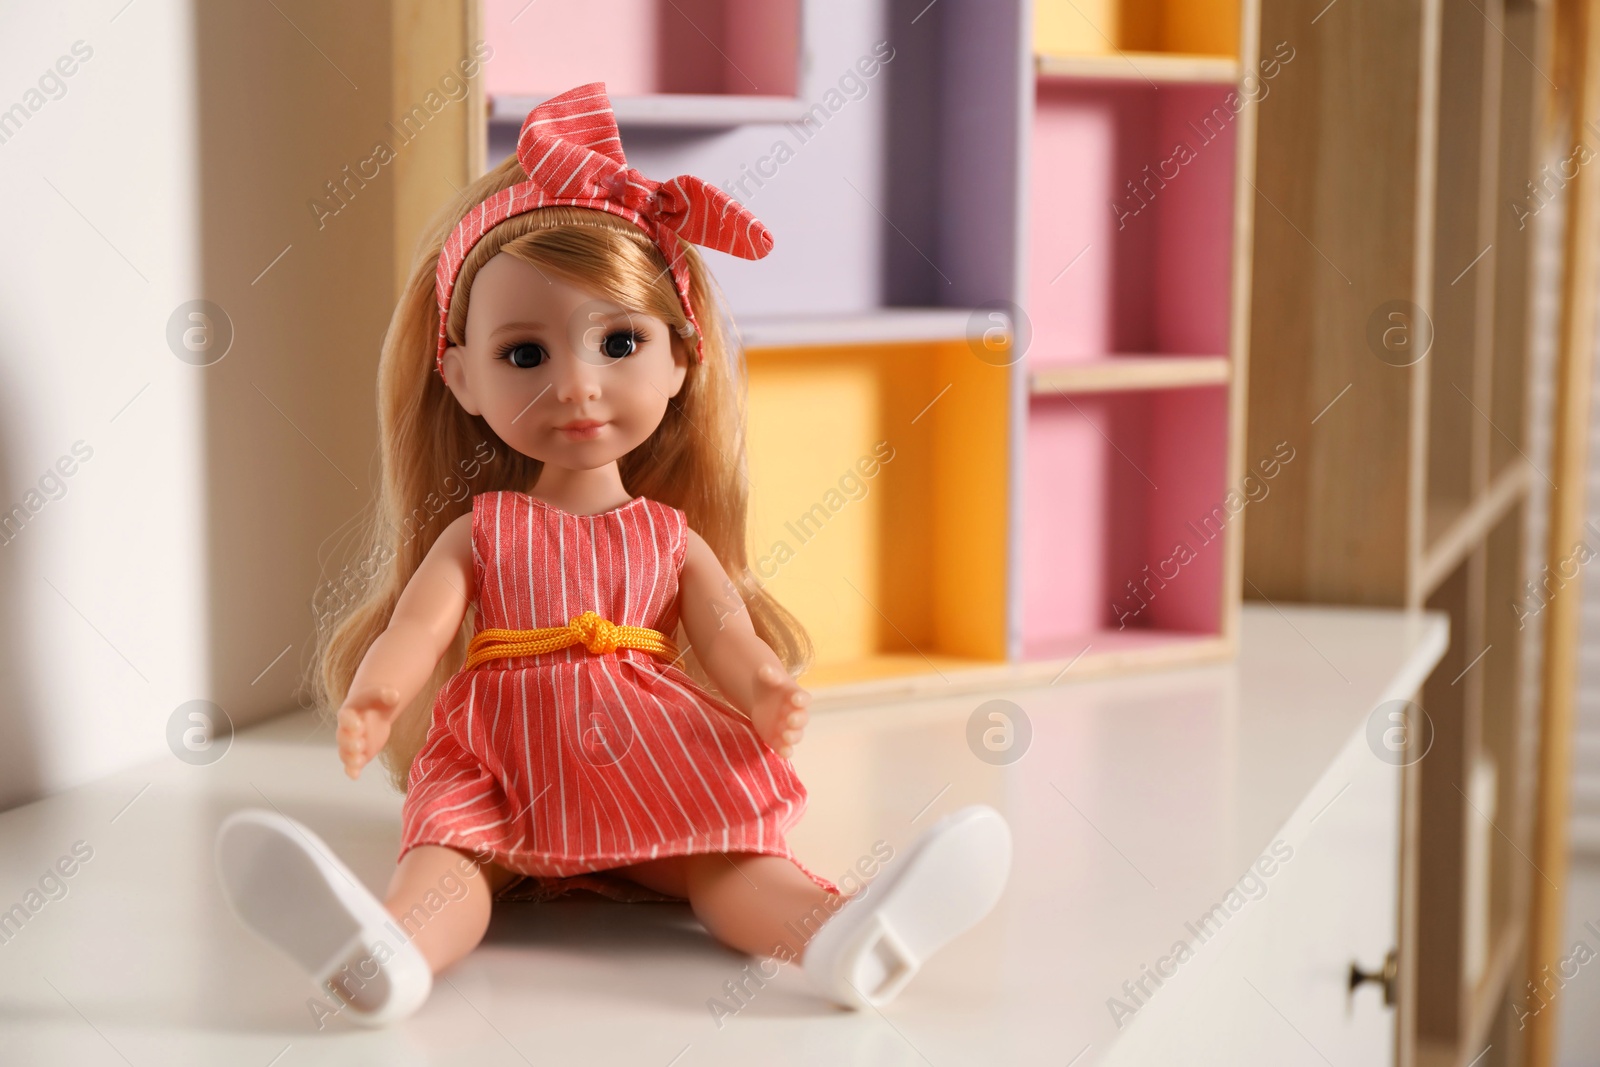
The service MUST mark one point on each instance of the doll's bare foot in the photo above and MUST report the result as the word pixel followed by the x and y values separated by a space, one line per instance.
pixel 949 879
pixel 285 884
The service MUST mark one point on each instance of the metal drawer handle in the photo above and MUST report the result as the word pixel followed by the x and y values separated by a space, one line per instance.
pixel 1388 977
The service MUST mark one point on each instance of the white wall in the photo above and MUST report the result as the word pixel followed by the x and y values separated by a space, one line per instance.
pixel 179 162
pixel 101 612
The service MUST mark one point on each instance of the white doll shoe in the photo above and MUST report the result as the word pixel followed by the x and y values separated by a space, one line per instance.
pixel 283 882
pixel 949 880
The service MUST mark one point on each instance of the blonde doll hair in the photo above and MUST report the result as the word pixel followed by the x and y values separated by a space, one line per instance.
pixel 694 461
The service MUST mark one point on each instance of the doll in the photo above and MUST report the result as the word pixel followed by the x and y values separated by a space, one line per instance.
pixel 559 313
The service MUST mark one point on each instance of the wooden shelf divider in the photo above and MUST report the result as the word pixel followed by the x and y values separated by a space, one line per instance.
pixel 1142 67
pixel 1505 959
pixel 1128 373
pixel 1472 526
pixel 673 110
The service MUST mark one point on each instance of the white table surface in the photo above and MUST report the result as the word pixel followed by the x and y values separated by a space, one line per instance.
pixel 1139 801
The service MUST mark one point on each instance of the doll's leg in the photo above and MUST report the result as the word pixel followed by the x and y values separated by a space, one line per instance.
pixel 428 874
pixel 760 904
pixel 861 949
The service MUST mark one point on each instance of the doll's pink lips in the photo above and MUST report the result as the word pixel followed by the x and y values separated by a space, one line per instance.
pixel 581 429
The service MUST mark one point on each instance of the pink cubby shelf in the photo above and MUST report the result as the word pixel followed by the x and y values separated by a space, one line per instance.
pixel 1123 520
pixel 1123 548
pixel 1131 229
pixel 643 47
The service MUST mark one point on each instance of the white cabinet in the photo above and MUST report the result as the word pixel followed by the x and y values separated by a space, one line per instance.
pixel 1271 984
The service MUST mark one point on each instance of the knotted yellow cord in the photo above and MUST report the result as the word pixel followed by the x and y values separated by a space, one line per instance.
pixel 598 635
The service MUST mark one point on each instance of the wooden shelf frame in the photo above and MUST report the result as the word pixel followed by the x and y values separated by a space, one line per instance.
pixel 1121 373
pixel 976 221
pixel 1161 349
pixel 957 678
pixel 1415 481
pixel 687 111
pixel 1472 525
pixel 1576 55
pixel 885 326
pixel 1505 965
pixel 1149 67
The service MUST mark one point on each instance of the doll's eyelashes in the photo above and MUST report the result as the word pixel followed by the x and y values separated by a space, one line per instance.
pixel 617 345
pixel 523 354
pixel 621 343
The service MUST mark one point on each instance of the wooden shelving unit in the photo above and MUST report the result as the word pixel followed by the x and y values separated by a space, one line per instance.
pixel 1058 337
pixel 880 392
pixel 1136 282
pixel 1064 381
pixel 1389 344
pixel 1059 384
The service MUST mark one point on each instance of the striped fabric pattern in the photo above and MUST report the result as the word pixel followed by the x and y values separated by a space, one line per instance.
pixel 570 149
pixel 569 762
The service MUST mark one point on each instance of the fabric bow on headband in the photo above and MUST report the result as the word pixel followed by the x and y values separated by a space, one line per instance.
pixel 572 155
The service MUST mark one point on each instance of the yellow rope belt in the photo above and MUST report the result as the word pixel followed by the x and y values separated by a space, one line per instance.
pixel 598 635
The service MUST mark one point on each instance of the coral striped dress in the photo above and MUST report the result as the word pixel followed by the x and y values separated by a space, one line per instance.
pixel 565 763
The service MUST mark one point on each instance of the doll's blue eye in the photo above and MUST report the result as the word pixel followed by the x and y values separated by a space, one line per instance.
pixel 524 355
pixel 619 344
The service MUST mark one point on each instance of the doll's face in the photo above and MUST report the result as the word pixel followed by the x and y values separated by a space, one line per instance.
pixel 560 374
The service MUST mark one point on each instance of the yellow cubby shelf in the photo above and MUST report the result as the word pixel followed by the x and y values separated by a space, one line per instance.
pixel 878 480
pixel 1097 27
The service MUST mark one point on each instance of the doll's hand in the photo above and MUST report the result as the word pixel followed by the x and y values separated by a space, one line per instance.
pixel 779 711
pixel 364 726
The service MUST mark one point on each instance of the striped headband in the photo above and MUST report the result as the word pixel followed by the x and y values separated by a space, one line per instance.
pixel 572 155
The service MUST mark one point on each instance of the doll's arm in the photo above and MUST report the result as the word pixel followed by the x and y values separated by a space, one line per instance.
pixel 744 667
pixel 425 621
